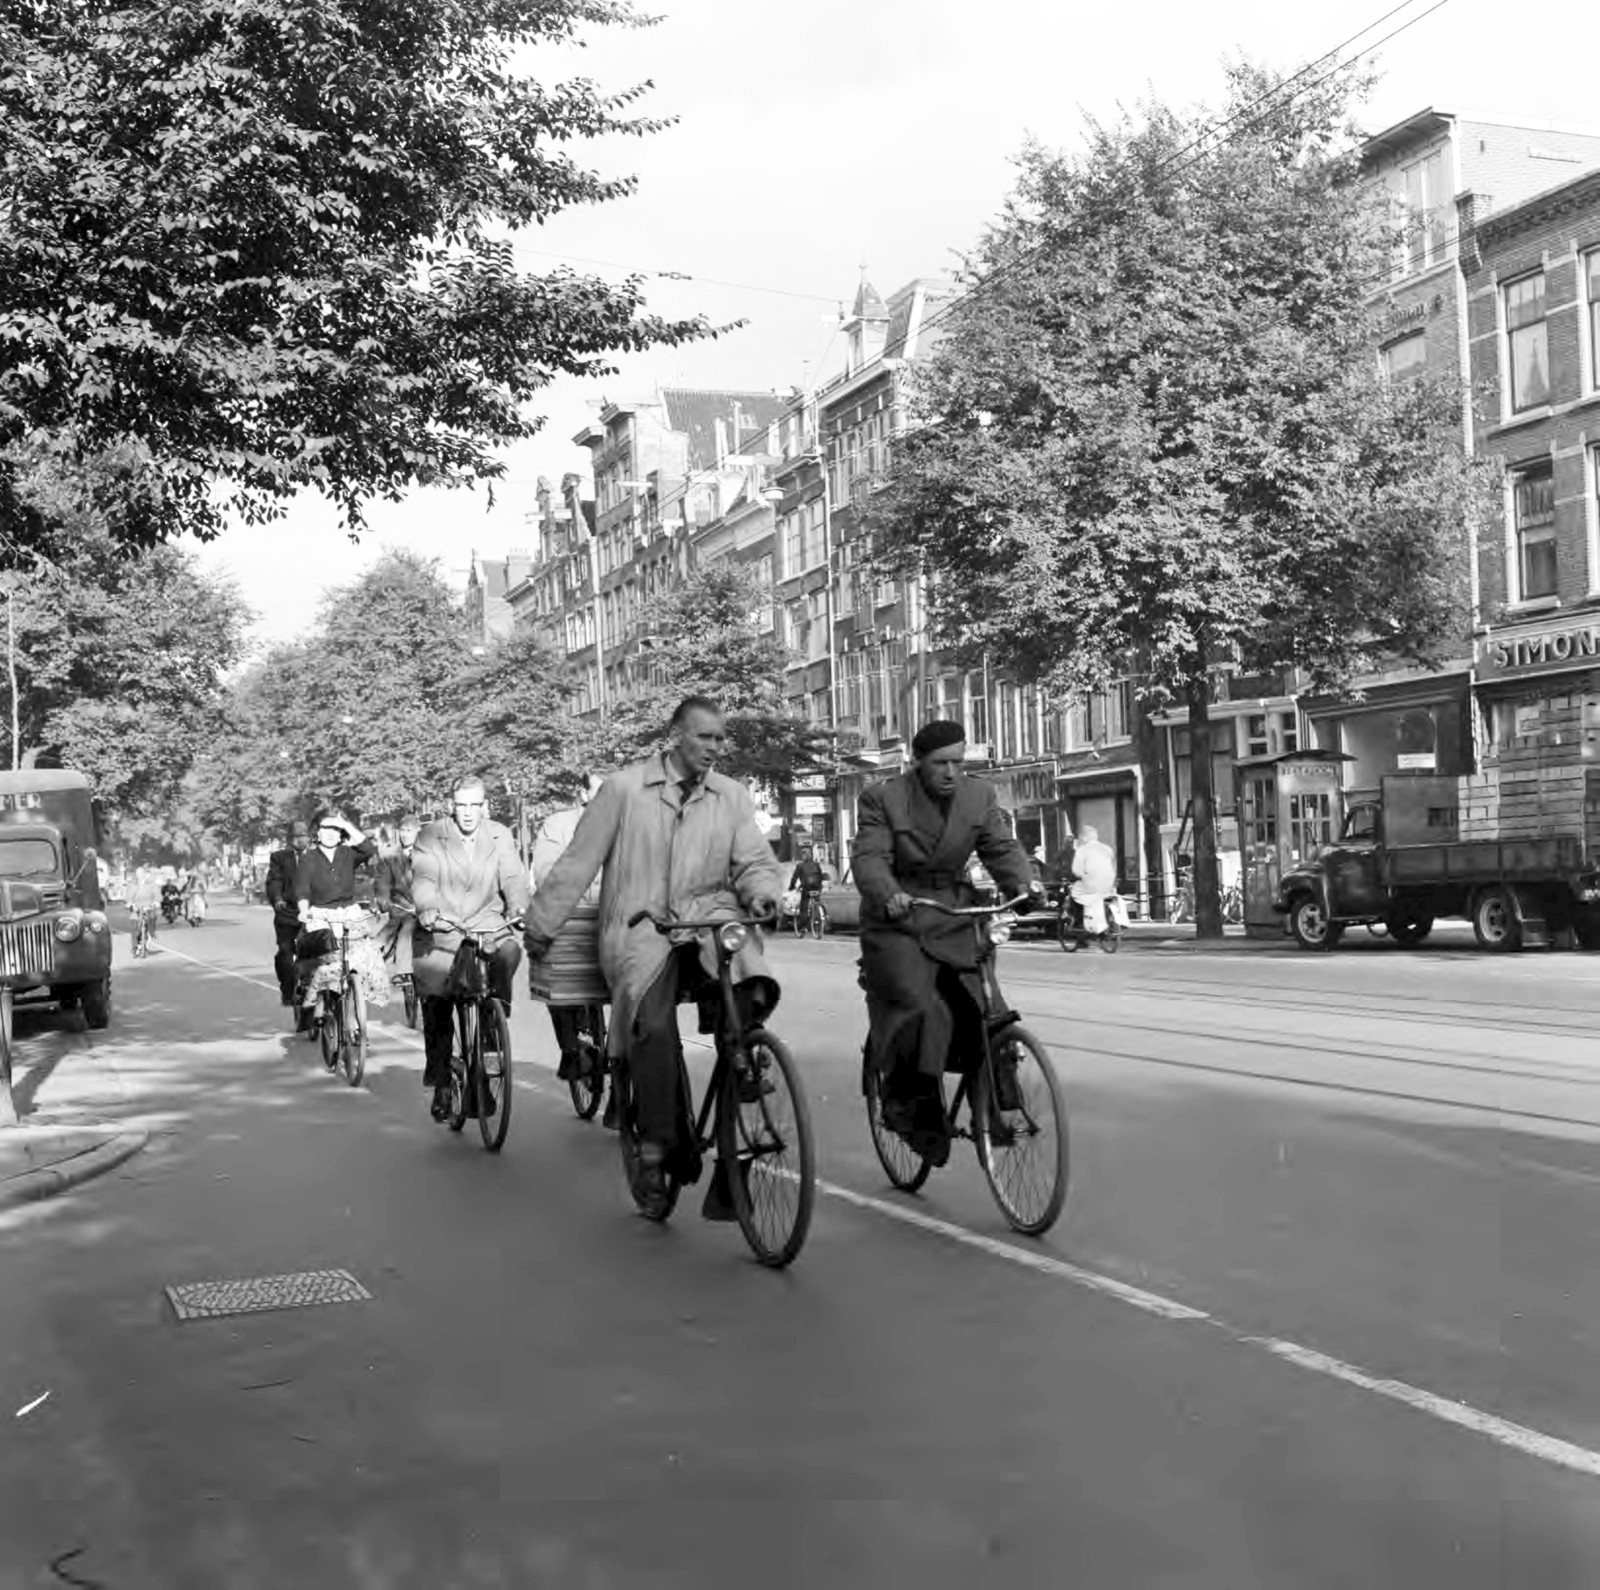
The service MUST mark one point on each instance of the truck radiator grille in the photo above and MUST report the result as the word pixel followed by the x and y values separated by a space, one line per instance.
pixel 26 947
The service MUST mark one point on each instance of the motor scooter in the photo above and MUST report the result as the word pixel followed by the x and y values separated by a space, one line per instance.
pixel 1100 920
pixel 171 903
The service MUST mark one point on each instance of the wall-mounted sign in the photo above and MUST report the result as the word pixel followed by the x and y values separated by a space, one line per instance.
pixel 1416 761
pixel 811 805
pixel 1033 785
pixel 811 781
pixel 1544 650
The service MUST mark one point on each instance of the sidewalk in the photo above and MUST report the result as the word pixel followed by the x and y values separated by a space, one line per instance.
pixel 67 1095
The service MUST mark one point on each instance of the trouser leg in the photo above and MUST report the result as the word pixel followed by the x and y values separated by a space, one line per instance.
pixel 503 964
pixel 654 1055
pixel 438 1023
pixel 283 958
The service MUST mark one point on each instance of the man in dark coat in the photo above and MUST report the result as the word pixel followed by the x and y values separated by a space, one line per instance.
pixel 285 908
pixel 915 835
pixel 391 891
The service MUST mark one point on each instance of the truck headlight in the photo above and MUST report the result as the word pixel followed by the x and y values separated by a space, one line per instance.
pixel 68 928
pixel 734 936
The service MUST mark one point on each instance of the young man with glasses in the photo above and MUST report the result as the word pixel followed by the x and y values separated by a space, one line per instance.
pixel 465 871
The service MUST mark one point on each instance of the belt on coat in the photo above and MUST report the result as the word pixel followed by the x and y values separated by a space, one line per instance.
pixel 930 880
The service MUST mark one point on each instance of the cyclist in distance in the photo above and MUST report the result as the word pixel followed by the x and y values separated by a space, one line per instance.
pixel 808 879
pixel 144 896
pixel 669 835
pixel 281 897
pixel 915 836
pixel 325 892
pixel 465 873
pixel 391 893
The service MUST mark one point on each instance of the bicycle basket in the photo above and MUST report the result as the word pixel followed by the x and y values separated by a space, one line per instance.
pixel 469 977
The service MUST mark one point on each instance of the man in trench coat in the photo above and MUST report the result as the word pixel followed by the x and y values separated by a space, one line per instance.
pixel 915 835
pixel 672 835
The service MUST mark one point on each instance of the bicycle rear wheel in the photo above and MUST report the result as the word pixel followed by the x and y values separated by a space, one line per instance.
pixel 463 1061
pixel 588 1089
pixel 651 1204
pixel 1023 1151
pixel 352 1036
pixel 764 1139
pixel 493 1073
pixel 906 1169
pixel 328 1011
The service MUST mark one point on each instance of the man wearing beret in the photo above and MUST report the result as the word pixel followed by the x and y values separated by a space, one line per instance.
pixel 285 911
pixel 915 835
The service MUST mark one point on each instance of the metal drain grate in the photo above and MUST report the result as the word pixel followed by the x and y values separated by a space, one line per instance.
pixel 303 1289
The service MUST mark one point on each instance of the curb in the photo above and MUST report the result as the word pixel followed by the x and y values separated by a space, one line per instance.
pixel 34 1186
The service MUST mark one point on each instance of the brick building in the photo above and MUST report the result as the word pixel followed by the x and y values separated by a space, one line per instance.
pixel 1533 299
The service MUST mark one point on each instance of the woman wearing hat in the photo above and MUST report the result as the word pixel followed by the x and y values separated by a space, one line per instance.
pixel 325 889
pixel 915 836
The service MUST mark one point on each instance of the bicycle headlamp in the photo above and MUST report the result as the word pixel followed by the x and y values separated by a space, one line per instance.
pixel 1000 928
pixel 733 936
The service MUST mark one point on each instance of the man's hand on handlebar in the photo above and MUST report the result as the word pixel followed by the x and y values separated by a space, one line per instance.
pixel 897 906
pixel 764 908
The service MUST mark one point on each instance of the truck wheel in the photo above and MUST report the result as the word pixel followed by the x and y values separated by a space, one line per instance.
pixel 94 1000
pixel 1409 927
pixel 1310 925
pixel 1495 921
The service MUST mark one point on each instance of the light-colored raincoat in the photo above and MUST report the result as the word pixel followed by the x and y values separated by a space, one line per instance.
pixel 704 857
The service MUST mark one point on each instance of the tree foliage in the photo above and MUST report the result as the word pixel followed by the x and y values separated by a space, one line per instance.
pixel 1158 429
pixel 705 637
pixel 383 705
pixel 121 663
pixel 250 246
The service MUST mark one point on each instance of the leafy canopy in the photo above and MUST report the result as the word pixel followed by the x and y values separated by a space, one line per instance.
pixel 1158 426
pixel 250 246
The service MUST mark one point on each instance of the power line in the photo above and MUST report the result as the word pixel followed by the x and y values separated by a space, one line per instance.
pixel 1286 92
pixel 682 276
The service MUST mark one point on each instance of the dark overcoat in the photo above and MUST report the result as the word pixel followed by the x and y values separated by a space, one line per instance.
pixel 906 842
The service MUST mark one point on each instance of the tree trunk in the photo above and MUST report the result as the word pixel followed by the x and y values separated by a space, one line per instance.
pixel 1152 773
pixel 1207 894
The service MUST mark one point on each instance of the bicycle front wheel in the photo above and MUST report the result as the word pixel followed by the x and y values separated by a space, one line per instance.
pixel 1023 1151
pixel 493 1072
pixel 1066 935
pixel 764 1140
pixel 328 1012
pixel 352 1036
pixel 819 922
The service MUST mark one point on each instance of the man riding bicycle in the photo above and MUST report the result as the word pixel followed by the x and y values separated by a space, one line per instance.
pixel 465 875
pixel 808 877
pixel 915 836
pixel 143 898
pixel 673 836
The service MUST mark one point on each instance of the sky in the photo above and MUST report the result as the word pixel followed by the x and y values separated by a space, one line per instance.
pixel 814 140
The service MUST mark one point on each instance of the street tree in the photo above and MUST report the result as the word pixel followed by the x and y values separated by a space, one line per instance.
pixel 707 637
pixel 121 660
pixel 253 246
pixel 1155 437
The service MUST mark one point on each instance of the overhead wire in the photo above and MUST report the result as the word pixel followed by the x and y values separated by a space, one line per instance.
pixel 1285 92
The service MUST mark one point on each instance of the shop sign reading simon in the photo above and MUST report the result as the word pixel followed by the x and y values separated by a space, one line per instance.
pixel 1537 651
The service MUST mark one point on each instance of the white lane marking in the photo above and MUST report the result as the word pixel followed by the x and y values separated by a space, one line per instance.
pixel 1503 1432
pixel 211 966
pixel 1547 1448
pixel 1150 1302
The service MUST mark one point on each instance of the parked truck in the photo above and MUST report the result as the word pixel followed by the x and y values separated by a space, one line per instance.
pixel 55 940
pixel 1400 862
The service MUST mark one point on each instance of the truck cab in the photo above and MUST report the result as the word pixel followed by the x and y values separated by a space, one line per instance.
pixel 55 939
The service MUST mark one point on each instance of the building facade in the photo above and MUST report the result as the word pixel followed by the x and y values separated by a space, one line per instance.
pixel 1533 299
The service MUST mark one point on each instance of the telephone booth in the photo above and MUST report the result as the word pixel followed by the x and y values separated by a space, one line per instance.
pixel 1289 807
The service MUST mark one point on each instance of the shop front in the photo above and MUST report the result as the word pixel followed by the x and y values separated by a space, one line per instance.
pixel 1028 794
pixel 1407 725
pixel 1107 800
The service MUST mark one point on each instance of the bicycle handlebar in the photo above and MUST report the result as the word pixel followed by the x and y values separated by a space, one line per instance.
pixel 513 925
pixel 973 910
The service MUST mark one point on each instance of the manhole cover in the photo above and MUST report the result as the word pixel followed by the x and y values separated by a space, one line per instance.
pixel 303 1289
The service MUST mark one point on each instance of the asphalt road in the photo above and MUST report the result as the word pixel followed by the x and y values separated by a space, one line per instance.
pixel 1322 1310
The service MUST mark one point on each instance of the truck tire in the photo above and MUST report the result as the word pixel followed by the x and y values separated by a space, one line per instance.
pixel 94 1000
pixel 1408 927
pixel 1495 922
pixel 1310 925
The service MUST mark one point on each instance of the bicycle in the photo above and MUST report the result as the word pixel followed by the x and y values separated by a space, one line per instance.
pixel 589 1086
pixel 480 1043
pixel 1072 931
pixel 1022 1150
pixel 753 1113
pixel 341 1019
pixel 811 920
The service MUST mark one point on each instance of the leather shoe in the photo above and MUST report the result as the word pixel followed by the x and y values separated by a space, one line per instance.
pixel 440 1108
